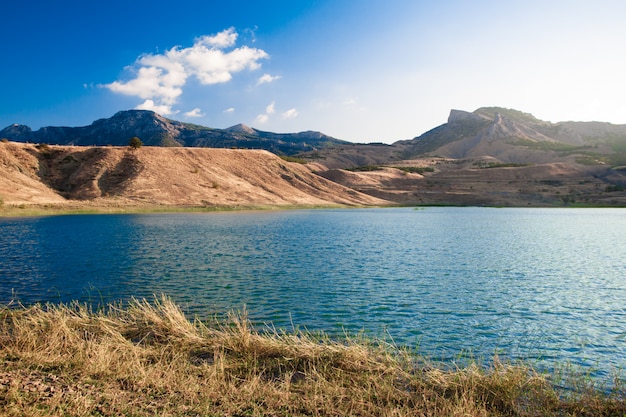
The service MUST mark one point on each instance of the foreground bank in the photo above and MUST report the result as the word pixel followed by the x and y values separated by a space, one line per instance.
pixel 149 359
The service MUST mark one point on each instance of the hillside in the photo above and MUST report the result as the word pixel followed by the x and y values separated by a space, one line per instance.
pixel 492 156
pixel 512 136
pixel 509 136
pixel 156 130
pixel 153 176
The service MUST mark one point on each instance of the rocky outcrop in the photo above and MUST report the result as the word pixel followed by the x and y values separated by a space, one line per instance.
pixel 513 136
pixel 462 116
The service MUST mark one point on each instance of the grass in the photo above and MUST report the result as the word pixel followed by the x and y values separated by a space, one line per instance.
pixel 147 358
pixel 407 169
pixel 31 210
pixel 293 159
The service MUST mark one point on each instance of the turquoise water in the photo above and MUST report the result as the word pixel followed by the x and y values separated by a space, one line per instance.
pixel 539 284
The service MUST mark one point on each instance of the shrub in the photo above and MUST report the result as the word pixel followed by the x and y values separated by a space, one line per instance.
pixel 416 170
pixel 45 150
pixel 293 159
pixel 135 142
pixel 365 168
pixel 614 188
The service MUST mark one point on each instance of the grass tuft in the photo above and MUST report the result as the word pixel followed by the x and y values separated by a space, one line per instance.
pixel 147 358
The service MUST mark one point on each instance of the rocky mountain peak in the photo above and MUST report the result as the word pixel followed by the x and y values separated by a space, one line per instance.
pixel 241 128
pixel 491 113
pixel 461 116
pixel 21 131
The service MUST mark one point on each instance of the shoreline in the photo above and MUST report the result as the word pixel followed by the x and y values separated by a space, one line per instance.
pixel 9 210
pixel 35 210
pixel 147 358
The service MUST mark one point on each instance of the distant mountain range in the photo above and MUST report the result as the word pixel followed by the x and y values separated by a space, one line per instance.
pixel 510 136
pixel 492 156
pixel 156 130
pixel 506 135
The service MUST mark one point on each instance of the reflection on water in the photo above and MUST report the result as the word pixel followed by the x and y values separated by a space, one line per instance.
pixel 528 283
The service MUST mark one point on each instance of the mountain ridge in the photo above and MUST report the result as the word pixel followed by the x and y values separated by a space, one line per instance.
pixel 492 156
pixel 509 136
pixel 156 130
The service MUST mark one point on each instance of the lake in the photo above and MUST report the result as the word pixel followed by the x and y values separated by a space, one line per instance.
pixel 544 285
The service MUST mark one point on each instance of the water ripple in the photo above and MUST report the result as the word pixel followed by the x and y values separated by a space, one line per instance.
pixel 545 284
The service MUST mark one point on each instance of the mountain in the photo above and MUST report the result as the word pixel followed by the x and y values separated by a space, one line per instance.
pixel 512 136
pixel 156 130
pixel 492 156
pixel 508 136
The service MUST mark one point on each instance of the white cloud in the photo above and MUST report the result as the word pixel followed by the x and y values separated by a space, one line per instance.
pixel 150 84
pixel 262 118
pixel 267 78
pixel 159 79
pixel 229 110
pixel 194 113
pixel 290 114
pixel 162 109
pixel 271 109
pixel 224 39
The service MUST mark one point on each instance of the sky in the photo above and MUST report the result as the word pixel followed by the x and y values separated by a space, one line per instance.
pixel 357 70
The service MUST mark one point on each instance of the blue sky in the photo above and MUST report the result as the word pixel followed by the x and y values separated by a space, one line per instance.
pixel 359 70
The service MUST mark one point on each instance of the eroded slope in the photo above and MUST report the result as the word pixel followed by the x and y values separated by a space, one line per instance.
pixel 163 176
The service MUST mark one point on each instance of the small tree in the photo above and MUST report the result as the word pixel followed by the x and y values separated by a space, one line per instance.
pixel 135 142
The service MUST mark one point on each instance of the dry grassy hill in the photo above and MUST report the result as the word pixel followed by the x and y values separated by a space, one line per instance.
pixel 152 176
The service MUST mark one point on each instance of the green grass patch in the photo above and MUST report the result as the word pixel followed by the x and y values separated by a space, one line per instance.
pixel 548 146
pixel 488 165
pixel 614 188
pixel 415 170
pixel 366 168
pixel 294 159
pixel 25 210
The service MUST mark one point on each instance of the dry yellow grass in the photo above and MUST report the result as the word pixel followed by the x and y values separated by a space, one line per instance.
pixel 147 358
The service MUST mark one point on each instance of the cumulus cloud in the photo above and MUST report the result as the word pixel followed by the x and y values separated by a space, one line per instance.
pixel 194 113
pixel 290 114
pixel 224 39
pixel 271 109
pixel 159 79
pixel 267 78
pixel 151 105
pixel 262 118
